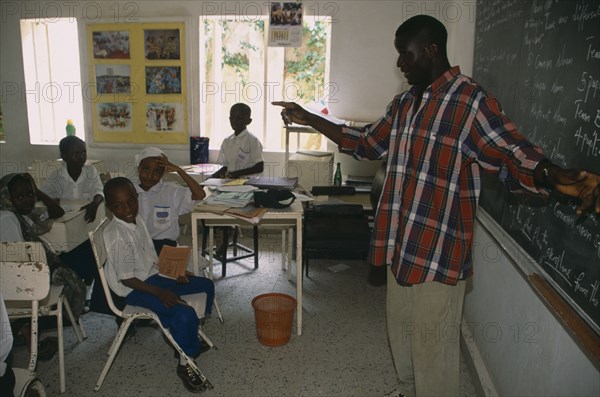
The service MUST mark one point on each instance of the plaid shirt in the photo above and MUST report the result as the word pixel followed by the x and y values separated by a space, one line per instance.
pixel 426 212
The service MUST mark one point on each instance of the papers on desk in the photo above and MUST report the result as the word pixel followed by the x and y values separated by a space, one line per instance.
pixel 248 213
pixel 362 184
pixel 261 182
pixel 302 197
pixel 232 199
pixel 224 182
pixel 242 188
pixel 206 168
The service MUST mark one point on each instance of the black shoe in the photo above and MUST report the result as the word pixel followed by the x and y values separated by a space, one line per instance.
pixel 191 380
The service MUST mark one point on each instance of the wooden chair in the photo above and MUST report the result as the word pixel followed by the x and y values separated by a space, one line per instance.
pixel 131 313
pixel 25 284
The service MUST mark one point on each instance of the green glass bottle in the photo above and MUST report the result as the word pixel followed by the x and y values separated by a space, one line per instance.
pixel 70 127
pixel 337 177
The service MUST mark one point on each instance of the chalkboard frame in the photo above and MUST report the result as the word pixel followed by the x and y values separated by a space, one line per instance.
pixel 526 264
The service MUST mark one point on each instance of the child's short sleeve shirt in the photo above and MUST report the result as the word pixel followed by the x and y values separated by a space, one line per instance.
pixel 240 152
pixel 60 184
pixel 130 252
pixel 161 206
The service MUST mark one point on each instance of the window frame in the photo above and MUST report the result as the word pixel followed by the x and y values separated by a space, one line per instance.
pixel 273 57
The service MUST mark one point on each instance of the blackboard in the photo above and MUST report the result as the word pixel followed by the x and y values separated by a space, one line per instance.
pixel 541 59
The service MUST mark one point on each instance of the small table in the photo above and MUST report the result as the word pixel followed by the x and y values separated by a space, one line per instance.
pixel 288 218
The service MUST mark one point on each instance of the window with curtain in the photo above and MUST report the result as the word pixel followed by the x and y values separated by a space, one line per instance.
pixel 236 65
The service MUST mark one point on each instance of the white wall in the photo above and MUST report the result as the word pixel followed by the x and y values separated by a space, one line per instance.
pixel 363 57
pixel 525 349
pixel 362 63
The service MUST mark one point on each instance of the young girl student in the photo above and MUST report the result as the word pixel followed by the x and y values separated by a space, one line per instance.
pixel 22 220
pixel 132 272
pixel 161 203
pixel 74 180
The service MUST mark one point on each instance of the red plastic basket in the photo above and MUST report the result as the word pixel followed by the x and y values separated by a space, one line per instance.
pixel 274 315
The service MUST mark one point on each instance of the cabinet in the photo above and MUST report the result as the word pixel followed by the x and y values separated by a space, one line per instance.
pixel 311 167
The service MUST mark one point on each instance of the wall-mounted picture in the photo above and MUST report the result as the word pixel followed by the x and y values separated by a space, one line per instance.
pixel 164 117
pixel 111 45
pixel 161 44
pixel 113 79
pixel 114 116
pixel 163 80
pixel 286 13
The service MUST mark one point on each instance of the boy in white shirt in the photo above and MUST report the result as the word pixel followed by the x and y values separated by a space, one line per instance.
pixel 132 272
pixel 74 180
pixel 241 152
pixel 161 203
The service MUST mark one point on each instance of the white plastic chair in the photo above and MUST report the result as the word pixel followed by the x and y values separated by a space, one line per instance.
pixel 130 313
pixel 52 303
pixel 26 283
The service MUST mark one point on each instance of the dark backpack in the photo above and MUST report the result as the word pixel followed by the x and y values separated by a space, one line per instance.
pixel 274 198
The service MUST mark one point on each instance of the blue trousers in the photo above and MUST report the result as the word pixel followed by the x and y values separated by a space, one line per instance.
pixel 180 320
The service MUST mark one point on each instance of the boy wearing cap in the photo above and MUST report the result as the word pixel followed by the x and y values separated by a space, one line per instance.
pixel 161 203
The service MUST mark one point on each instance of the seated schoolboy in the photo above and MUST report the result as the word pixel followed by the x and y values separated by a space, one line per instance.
pixel 161 203
pixel 241 152
pixel 22 220
pixel 240 155
pixel 132 272
pixel 74 180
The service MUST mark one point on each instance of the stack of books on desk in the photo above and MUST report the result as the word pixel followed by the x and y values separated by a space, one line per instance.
pixel 232 199
pixel 360 183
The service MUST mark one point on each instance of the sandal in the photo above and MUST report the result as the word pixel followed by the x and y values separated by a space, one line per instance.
pixel 47 348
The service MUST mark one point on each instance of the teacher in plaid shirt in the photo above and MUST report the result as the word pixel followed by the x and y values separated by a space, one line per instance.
pixel 437 138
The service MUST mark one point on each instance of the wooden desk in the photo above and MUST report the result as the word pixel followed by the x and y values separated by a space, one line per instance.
pixel 287 218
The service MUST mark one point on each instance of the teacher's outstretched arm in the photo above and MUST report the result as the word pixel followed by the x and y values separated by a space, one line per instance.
pixel 294 113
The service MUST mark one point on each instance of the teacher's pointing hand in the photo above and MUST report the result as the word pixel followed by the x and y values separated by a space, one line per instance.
pixel 293 113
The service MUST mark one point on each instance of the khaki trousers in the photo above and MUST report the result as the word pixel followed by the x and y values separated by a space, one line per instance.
pixel 423 324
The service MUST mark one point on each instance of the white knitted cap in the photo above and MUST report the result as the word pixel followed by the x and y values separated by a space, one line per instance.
pixel 148 152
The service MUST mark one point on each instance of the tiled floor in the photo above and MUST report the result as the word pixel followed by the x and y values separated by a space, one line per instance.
pixel 343 350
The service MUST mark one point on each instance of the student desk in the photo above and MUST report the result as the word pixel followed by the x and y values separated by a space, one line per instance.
pixel 71 229
pixel 287 218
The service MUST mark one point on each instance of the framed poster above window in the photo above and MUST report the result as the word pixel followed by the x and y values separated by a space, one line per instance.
pixel 138 82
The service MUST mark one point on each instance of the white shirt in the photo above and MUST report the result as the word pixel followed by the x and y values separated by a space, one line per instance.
pixel 10 228
pixel 6 336
pixel 60 184
pixel 130 254
pixel 161 206
pixel 240 152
